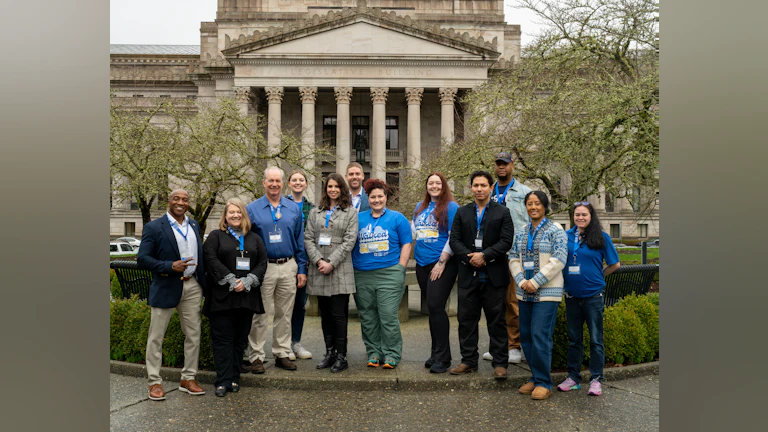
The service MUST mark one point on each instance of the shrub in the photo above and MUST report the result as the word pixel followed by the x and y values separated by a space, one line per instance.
pixel 647 310
pixel 114 285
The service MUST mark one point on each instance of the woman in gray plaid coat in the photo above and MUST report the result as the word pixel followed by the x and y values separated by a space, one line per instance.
pixel 329 237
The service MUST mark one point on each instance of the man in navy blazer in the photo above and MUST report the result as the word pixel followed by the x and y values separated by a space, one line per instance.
pixel 172 249
pixel 355 177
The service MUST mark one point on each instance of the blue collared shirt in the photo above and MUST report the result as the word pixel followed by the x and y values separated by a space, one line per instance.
pixel 290 226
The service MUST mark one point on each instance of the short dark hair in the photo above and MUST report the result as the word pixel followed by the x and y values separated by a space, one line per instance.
pixel 542 197
pixel 481 173
pixel 374 183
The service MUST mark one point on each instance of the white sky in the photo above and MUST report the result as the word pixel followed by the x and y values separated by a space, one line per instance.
pixel 177 22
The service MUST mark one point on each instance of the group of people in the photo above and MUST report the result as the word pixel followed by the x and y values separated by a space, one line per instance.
pixel 511 262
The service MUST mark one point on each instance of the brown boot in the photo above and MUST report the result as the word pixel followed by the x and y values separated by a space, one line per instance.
pixel 540 393
pixel 257 367
pixel 462 369
pixel 500 373
pixel 526 388
pixel 285 363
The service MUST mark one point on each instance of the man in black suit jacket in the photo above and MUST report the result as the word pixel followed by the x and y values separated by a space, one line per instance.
pixel 481 235
pixel 171 247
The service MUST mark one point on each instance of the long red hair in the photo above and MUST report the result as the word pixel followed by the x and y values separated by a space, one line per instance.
pixel 441 206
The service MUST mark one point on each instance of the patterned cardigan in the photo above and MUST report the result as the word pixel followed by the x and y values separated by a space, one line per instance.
pixel 343 227
pixel 549 255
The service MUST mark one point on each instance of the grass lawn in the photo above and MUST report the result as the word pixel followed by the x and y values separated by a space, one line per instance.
pixel 633 255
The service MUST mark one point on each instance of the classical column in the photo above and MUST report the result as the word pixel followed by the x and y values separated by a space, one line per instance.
pixel 413 96
pixel 378 135
pixel 447 95
pixel 343 96
pixel 308 96
pixel 242 96
pixel 275 98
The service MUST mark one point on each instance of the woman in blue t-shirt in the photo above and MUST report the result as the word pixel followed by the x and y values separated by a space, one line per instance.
pixel 436 269
pixel 584 275
pixel 379 258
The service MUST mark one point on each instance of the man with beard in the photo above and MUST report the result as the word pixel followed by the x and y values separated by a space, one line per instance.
pixel 355 179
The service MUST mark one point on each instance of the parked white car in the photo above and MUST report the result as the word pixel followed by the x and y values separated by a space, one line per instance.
pixel 122 248
pixel 133 241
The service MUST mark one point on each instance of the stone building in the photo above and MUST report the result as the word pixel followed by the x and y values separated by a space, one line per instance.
pixel 378 80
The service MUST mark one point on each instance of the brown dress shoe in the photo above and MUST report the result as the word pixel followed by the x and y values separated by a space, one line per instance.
pixel 526 388
pixel 462 369
pixel 285 363
pixel 156 392
pixel 257 367
pixel 540 393
pixel 191 387
pixel 500 373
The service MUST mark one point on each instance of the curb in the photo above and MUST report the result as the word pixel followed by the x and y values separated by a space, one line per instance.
pixel 422 381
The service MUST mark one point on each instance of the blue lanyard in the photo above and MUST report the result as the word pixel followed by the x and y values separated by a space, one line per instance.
pixel 576 244
pixel 479 219
pixel 176 227
pixel 272 210
pixel 373 226
pixel 357 206
pixel 241 239
pixel 301 208
pixel 328 214
pixel 536 231
pixel 503 197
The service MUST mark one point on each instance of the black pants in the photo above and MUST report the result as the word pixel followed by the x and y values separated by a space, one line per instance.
pixel 437 293
pixel 334 316
pixel 491 300
pixel 229 337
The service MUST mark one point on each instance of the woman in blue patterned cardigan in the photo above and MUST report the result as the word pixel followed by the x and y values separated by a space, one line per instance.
pixel 536 261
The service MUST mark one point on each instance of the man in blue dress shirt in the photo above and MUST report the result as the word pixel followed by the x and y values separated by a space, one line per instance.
pixel 278 221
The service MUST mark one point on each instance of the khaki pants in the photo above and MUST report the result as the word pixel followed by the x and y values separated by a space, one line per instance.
pixel 512 316
pixel 278 292
pixel 189 315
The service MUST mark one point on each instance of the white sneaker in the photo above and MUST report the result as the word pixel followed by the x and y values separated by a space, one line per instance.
pixel 299 351
pixel 515 356
pixel 487 356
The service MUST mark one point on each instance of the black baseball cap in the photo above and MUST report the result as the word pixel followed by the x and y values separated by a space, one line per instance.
pixel 504 156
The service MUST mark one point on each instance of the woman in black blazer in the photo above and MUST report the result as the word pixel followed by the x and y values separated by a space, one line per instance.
pixel 235 261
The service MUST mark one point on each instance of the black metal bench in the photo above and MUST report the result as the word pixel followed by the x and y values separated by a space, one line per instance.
pixel 132 279
pixel 629 279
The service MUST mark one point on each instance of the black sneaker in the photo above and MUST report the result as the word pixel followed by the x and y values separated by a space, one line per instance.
pixel 221 391
pixel 439 367
pixel 428 364
pixel 235 387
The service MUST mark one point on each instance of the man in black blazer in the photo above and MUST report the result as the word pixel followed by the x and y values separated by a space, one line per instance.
pixel 481 235
pixel 172 249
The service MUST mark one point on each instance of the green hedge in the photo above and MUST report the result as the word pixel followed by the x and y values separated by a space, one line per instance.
pixel 630 333
pixel 114 285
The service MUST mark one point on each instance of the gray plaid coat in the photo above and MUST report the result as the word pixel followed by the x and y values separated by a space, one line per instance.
pixel 343 229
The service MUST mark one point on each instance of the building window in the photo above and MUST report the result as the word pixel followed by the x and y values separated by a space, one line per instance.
pixel 138 95
pixel 134 205
pixel 130 229
pixel 165 96
pixel 565 225
pixel 393 181
pixel 392 133
pixel 609 207
pixel 642 230
pixel 360 136
pixel 329 131
pixel 615 231
pixel 191 96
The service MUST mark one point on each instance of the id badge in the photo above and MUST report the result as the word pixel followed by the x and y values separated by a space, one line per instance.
pixel 478 243
pixel 574 270
pixel 243 263
pixel 275 237
pixel 324 239
pixel 528 265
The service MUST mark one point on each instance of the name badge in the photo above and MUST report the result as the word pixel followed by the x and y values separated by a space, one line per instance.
pixel 478 243
pixel 574 270
pixel 324 239
pixel 528 265
pixel 243 263
pixel 275 237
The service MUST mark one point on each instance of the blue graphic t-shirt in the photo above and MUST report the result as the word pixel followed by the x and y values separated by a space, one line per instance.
pixel 379 240
pixel 429 240
pixel 590 280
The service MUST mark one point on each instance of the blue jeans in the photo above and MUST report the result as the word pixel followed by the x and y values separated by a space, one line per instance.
pixel 297 319
pixel 577 312
pixel 537 325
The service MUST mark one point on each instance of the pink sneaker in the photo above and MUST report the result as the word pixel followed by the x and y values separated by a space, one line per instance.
pixel 568 385
pixel 595 388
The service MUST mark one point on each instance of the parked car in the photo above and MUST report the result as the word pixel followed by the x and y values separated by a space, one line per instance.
pixel 133 241
pixel 654 242
pixel 121 248
pixel 620 245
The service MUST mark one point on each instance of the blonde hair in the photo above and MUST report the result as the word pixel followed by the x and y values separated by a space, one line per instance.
pixel 246 225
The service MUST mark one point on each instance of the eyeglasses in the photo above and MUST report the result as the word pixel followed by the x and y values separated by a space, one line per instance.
pixel 584 203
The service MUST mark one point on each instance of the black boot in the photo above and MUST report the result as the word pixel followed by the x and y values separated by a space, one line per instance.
pixel 330 354
pixel 341 363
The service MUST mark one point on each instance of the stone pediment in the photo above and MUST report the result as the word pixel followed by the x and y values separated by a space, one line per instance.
pixel 375 33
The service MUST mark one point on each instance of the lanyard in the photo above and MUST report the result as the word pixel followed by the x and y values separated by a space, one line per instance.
pixel 274 216
pixel 240 238
pixel 577 244
pixel 301 208
pixel 374 225
pixel 328 215
pixel 176 227
pixel 536 231
pixel 479 219
pixel 360 198
pixel 503 197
